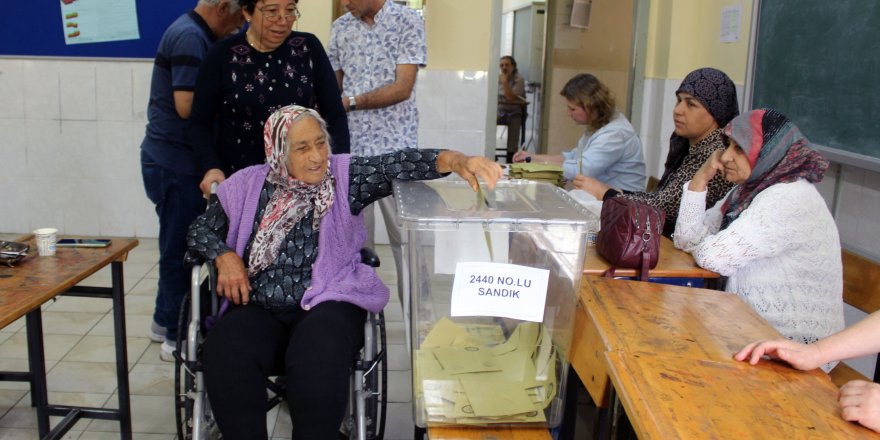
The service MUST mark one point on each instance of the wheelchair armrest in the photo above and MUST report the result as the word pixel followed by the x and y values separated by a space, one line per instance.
pixel 369 257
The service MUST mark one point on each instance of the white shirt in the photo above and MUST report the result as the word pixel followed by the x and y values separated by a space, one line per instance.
pixel 782 256
pixel 613 154
pixel 368 56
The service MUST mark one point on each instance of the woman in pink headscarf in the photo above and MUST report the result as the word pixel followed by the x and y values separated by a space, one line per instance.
pixel 772 236
pixel 286 238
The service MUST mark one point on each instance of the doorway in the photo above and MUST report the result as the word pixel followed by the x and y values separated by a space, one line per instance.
pixel 522 36
pixel 596 39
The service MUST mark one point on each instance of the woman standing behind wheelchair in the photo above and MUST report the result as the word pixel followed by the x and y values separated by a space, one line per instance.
pixel 286 238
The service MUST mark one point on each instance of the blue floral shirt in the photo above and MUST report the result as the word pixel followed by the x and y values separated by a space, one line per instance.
pixel 368 56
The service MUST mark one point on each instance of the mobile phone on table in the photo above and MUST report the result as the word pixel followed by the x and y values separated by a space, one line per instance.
pixel 83 242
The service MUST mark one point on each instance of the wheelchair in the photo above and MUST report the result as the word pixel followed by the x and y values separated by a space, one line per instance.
pixel 365 418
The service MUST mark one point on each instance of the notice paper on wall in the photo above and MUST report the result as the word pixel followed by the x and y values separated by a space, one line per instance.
pixel 95 21
pixel 503 290
pixel 731 22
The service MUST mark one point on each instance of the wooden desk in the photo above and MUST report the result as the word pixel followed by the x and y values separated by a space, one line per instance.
pixel 668 351
pixel 673 397
pixel 7 236
pixel 639 317
pixel 35 280
pixel 499 433
pixel 673 263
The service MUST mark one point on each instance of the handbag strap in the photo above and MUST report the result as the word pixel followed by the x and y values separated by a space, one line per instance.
pixel 646 257
pixel 646 249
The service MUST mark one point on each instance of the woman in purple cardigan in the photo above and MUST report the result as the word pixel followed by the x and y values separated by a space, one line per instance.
pixel 296 309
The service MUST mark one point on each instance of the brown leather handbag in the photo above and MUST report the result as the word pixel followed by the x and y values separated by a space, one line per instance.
pixel 629 235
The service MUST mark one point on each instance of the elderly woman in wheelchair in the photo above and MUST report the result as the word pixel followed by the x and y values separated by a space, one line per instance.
pixel 285 238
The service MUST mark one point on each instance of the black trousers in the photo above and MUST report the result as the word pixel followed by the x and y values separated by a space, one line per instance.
pixel 314 349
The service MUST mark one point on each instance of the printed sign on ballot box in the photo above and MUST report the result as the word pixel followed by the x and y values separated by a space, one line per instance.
pixel 502 290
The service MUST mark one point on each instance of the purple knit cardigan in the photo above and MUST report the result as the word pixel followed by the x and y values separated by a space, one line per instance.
pixel 338 273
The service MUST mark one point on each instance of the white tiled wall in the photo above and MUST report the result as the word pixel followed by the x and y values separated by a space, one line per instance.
pixel 858 213
pixel 452 114
pixel 452 110
pixel 70 134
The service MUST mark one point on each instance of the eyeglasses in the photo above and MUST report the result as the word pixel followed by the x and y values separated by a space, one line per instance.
pixel 273 13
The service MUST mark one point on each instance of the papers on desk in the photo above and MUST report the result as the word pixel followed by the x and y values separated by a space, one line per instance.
pixel 469 374
pixel 551 174
pixel 587 201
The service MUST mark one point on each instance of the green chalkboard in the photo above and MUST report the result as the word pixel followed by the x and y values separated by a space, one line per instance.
pixel 818 62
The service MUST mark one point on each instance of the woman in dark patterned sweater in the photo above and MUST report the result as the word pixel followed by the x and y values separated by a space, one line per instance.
pixel 706 103
pixel 245 78
pixel 285 237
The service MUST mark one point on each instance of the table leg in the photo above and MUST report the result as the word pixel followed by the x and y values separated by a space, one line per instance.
pixel 121 353
pixel 37 367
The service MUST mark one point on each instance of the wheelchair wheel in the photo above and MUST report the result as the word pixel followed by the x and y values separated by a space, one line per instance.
pixel 373 387
pixel 191 408
pixel 184 378
pixel 377 383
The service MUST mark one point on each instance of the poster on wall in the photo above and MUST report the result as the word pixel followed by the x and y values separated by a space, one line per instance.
pixel 95 21
pixel 731 22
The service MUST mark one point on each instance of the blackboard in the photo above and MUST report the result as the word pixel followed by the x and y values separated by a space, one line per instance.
pixel 818 62
pixel 34 28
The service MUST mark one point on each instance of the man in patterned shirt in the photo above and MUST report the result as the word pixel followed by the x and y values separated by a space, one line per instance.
pixel 171 177
pixel 376 50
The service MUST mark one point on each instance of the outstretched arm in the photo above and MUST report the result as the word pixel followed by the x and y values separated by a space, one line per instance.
pixel 857 340
pixel 469 168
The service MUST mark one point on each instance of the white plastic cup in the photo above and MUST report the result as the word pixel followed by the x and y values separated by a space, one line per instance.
pixel 46 241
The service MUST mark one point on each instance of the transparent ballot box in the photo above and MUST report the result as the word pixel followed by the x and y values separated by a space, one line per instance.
pixel 492 285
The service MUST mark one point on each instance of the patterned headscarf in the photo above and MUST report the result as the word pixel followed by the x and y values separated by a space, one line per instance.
pixel 717 93
pixel 292 198
pixel 777 152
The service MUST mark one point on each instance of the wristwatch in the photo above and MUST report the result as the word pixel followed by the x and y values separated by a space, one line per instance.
pixel 352 103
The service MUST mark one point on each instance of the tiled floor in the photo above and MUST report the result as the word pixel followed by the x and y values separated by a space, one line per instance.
pixel 80 361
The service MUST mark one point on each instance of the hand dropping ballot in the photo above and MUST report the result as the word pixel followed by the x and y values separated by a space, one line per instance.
pixel 503 290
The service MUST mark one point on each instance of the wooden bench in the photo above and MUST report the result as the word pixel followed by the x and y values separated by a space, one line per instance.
pixel 861 289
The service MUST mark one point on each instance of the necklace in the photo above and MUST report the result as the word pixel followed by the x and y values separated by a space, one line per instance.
pixel 253 43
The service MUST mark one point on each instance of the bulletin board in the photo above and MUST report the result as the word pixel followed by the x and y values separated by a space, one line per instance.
pixel 36 29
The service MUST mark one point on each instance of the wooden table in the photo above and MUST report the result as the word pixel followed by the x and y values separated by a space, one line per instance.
pixel 35 280
pixel 672 397
pixel 7 236
pixel 490 433
pixel 673 263
pixel 656 318
pixel 668 351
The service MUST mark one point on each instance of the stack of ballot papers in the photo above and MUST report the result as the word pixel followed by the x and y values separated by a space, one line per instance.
pixel 551 174
pixel 470 374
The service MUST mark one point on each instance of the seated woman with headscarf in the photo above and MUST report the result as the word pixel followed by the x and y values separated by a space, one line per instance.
pixel 706 103
pixel 772 236
pixel 286 238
